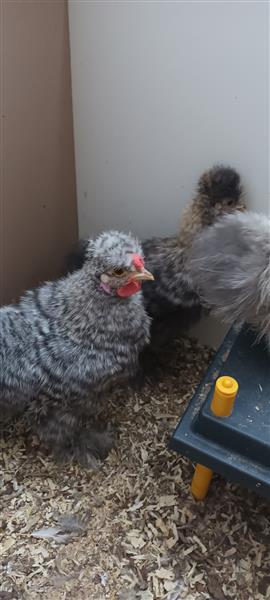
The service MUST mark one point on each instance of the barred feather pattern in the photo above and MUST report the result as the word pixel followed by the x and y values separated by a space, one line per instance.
pixel 66 343
pixel 230 265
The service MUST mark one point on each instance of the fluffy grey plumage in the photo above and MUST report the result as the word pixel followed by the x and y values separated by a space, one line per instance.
pixel 230 264
pixel 64 344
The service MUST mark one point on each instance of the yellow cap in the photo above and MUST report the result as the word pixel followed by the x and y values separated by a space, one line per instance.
pixel 227 386
pixel 225 392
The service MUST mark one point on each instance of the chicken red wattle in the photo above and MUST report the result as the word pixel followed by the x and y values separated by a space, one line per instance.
pixel 132 287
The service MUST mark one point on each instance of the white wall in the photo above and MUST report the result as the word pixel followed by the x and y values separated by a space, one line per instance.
pixel 162 91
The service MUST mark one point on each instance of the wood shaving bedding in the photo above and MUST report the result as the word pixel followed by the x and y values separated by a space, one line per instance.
pixel 139 533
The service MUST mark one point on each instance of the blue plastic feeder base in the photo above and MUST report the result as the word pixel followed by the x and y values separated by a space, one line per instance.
pixel 236 447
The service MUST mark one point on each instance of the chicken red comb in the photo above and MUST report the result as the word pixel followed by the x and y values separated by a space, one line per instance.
pixel 137 261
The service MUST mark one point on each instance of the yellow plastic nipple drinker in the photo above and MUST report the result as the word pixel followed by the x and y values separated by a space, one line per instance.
pixel 224 396
pixel 222 404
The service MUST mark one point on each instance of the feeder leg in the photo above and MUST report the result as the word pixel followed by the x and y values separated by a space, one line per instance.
pixel 201 481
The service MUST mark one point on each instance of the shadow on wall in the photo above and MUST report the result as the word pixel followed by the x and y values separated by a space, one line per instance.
pixel 209 332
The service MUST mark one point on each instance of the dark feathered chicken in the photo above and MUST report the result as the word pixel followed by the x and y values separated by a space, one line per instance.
pixel 75 259
pixel 64 344
pixel 219 192
pixel 173 302
pixel 230 265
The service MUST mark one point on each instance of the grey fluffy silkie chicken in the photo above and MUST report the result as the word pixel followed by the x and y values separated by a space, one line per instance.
pixel 230 266
pixel 66 343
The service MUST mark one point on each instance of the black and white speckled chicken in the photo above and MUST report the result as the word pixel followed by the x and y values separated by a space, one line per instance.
pixel 66 343
pixel 230 266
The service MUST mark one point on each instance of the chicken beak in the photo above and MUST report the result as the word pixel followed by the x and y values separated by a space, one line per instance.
pixel 142 275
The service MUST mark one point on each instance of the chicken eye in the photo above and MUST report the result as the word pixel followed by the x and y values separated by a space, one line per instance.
pixel 230 202
pixel 118 272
